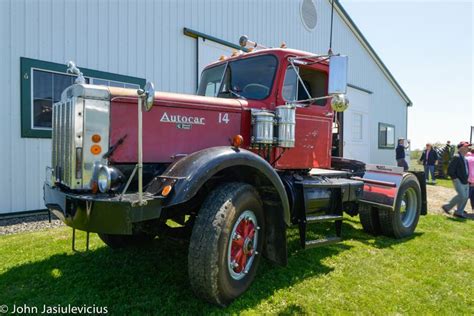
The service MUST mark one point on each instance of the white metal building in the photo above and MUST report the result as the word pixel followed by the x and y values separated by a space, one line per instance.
pixel 168 42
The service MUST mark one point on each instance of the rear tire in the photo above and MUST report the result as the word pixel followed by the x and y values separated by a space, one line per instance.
pixel 226 243
pixel 369 218
pixel 125 241
pixel 402 221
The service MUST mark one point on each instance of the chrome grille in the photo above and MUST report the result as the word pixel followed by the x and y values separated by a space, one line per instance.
pixel 63 158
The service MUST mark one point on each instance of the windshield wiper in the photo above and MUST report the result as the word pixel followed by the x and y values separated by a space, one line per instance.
pixel 236 94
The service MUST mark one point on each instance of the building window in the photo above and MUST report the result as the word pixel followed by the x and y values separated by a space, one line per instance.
pixel 386 136
pixel 357 130
pixel 42 84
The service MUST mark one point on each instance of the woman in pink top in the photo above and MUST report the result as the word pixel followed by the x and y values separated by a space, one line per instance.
pixel 470 179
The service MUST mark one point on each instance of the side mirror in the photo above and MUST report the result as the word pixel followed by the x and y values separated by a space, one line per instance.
pixel 337 75
pixel 339 103
pixel 149 96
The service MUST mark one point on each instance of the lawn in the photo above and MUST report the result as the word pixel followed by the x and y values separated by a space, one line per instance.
pixel 429 273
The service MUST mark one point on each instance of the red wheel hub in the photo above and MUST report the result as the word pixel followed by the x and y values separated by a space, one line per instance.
pixel 242 247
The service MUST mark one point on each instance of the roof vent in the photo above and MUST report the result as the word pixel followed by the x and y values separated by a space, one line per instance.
pixel 308 14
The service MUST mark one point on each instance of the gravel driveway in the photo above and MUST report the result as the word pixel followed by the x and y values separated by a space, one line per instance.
pixel 27 224
pixel 437 196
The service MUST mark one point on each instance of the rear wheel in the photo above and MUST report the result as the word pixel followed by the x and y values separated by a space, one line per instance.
pixel 125 241
pixel 226 243
pixel 369 218
pixel 402 221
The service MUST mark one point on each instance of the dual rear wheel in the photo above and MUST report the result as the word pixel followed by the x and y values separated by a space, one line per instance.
pixel 400 222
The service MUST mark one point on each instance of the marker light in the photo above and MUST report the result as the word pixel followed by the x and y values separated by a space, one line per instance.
pixel 96 149
pixel 166 190
pixel 96 138
pixel 237 141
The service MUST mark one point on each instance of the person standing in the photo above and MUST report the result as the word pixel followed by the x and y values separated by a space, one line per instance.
pixel 470 178
pixel 429 158
pixel 458 170
pixel 400 154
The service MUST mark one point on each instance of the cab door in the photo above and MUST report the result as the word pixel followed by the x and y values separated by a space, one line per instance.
pixel 313 128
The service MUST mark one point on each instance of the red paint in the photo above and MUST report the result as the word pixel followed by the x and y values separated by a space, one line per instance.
pixel 164 141
pixel 242 244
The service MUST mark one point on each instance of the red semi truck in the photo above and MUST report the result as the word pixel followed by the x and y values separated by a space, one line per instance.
pixel 234 166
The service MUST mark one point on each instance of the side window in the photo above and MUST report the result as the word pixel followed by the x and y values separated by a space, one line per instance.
pixel 290 85
pixel 316 84
pixel 386 136
pixel 210 81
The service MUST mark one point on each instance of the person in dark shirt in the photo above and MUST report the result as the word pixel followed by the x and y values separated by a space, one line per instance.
pixel 400 154
pixel 429 158
pixel 458 170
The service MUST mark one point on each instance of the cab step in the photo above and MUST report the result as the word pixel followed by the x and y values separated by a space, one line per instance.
pixel 323 218
pixel 312 219
pixel 322 242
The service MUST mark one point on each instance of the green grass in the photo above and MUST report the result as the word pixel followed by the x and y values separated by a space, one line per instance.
pixel 429 273
pixel 447 183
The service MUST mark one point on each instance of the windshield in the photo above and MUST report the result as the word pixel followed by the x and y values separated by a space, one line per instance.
pixel 250 78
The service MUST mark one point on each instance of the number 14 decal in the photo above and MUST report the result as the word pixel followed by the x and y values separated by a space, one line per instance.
pixel 224 118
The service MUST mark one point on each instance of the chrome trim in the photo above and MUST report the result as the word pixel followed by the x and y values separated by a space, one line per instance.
pixel 377 204
pixel 96 121
pixel 82 112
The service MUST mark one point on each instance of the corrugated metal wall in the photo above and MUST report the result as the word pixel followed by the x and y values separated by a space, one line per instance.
pixel 145 39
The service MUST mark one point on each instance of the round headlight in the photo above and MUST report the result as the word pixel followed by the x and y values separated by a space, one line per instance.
pixel 104 180
pixel 109 178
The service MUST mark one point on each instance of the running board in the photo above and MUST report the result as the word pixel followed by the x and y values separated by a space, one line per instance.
pixel 322 242
pixel 323 218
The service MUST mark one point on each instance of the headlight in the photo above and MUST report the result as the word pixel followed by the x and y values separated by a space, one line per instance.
pixel 109 178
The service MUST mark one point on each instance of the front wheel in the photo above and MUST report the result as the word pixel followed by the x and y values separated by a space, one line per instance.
pixel 226 243
pixel 402 221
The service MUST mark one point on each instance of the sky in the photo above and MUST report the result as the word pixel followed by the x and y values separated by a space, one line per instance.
pixel 428 47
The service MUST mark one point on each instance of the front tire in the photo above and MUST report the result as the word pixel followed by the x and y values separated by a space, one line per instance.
pixel 402 221
pixel 226 243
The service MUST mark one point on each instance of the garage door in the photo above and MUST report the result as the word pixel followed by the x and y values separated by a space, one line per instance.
pixel 356 126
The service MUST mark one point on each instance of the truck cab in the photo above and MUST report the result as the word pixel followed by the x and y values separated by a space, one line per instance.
pixel 265 80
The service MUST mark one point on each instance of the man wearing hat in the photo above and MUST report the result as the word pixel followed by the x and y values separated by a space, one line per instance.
pixel 458 170
pixel 400 154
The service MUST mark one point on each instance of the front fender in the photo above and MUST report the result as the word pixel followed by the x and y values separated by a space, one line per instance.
pixel 188 174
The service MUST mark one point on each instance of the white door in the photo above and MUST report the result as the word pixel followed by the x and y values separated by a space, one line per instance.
pixel 356 126
pixel 209 52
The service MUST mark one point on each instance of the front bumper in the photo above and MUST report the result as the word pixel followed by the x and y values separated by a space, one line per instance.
pixel 101 213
